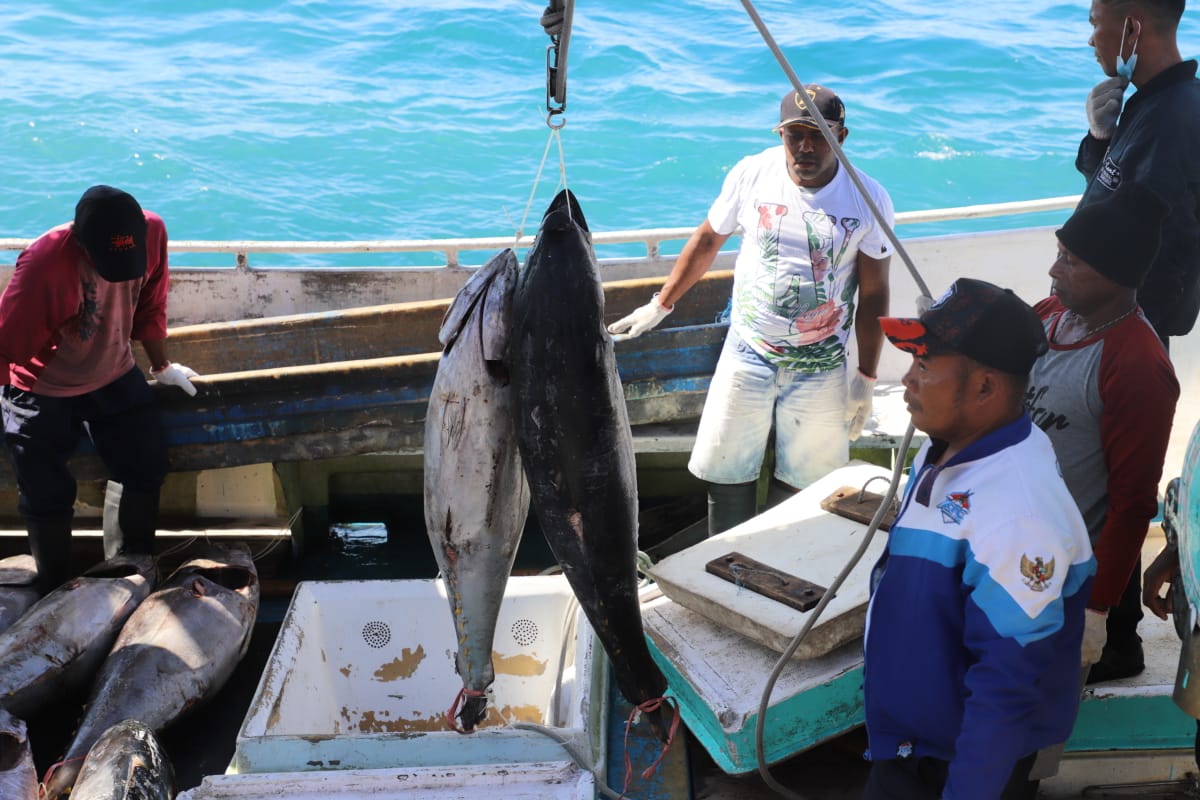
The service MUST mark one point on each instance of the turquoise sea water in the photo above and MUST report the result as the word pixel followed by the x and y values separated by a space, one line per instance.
pixel 361 120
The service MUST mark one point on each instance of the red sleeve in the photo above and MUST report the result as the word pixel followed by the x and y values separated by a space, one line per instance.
pixel 1139 390
pixel 150 317
pixel 42 294
pixel 1048 306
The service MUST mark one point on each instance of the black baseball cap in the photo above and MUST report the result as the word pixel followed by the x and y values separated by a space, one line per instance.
pixel 976 319
pixel 793 111
pixel 111 226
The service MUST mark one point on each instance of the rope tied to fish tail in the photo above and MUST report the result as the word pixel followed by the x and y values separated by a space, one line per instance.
pixel 457 705
pixel 50 770
pixel 648 706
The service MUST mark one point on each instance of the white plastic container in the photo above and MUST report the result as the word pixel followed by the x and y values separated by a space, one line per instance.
pixel 362 674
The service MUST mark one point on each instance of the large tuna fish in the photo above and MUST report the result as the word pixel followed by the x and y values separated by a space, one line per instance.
pixel 175 652
pixel 18 777
pixel 575 440
pixel 17 591
pixel 60 642
pixel 125 763
pixel 476 497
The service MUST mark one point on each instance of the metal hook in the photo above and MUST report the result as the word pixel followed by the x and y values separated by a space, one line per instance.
pixel 556 20
pixel 556 85
pixel 862 492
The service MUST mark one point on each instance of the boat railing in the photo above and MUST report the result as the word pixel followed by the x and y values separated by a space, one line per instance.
pixel 651 239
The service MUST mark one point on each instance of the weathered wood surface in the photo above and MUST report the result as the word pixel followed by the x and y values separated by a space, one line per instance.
pixel 340 383
pixel 383 331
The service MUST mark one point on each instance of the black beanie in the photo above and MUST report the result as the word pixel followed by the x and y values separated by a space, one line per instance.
pixel 1119 235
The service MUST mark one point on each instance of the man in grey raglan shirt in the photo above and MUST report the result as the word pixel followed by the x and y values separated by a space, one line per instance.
pixel 1105 394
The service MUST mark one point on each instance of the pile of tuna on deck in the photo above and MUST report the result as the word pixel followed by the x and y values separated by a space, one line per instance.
pixel 148 656
pixel 527 408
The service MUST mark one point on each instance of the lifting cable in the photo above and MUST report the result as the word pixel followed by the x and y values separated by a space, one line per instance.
pixel 901 455
pixel 556 21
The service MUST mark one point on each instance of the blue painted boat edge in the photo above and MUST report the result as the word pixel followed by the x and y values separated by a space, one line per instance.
pixel 1131 722
pixel 671 778
pixel 795 724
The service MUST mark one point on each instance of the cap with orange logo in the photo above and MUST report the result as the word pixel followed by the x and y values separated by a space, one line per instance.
pixel 111 226
pixel 976 319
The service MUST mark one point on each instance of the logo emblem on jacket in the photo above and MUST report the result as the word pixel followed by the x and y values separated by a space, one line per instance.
pixel 956 507
pixel 1109 173
pixel 1037 573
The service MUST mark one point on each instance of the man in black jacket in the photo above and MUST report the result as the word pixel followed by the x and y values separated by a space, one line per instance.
pixel 1152 141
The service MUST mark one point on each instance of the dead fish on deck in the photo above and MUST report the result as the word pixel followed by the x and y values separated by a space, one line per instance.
pixel 175 652
pixel 476 496
pixel 60 642
pixel 18 776
pixel 125 763
pixel 17 590
pixel 576 443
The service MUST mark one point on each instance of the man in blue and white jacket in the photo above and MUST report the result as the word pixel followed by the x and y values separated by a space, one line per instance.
pixel 973 636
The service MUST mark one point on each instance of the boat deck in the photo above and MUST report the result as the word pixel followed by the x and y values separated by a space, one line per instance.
pixel 1128 714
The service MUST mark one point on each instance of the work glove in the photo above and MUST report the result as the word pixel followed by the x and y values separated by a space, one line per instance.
pixel 642 319
pixel 176 375
pixel 1095 634
pixel 1104 106
pixel 858 402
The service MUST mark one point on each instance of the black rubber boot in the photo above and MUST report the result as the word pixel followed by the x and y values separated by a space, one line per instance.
pixel 1123 656
pixel 50 544
pixel 130 520
pixel 777 492
pixel 730 504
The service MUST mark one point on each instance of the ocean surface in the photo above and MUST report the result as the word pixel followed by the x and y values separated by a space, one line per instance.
pixel 366 120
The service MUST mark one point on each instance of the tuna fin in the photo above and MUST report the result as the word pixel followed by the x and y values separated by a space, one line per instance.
pixel 470 294
pixel 497 310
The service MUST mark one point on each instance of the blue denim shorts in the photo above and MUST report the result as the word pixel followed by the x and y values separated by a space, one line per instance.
pixel 747 397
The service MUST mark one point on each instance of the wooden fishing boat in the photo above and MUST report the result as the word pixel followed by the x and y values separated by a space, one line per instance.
pixel 313 394
pixel 315 380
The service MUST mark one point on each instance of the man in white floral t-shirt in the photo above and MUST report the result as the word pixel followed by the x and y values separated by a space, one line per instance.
pixel 809 243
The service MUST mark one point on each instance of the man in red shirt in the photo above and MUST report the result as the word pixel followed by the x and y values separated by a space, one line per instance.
pixel 78 296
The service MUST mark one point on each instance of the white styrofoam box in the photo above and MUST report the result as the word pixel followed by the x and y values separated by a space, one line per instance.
pixel 362 675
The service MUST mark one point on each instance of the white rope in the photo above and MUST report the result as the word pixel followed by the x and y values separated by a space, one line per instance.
pixel 555 136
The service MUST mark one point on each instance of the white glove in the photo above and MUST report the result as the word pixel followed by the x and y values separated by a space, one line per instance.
pixel 858 402
pixel 1095 634
pixel 1104 106
pixel 924 301
pixel 642 319
pixel 176 375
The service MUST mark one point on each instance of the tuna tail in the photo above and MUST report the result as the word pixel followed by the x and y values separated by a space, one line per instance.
pixel 651 709
pixel 472 712
pixel 474 709
pixel 59 779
